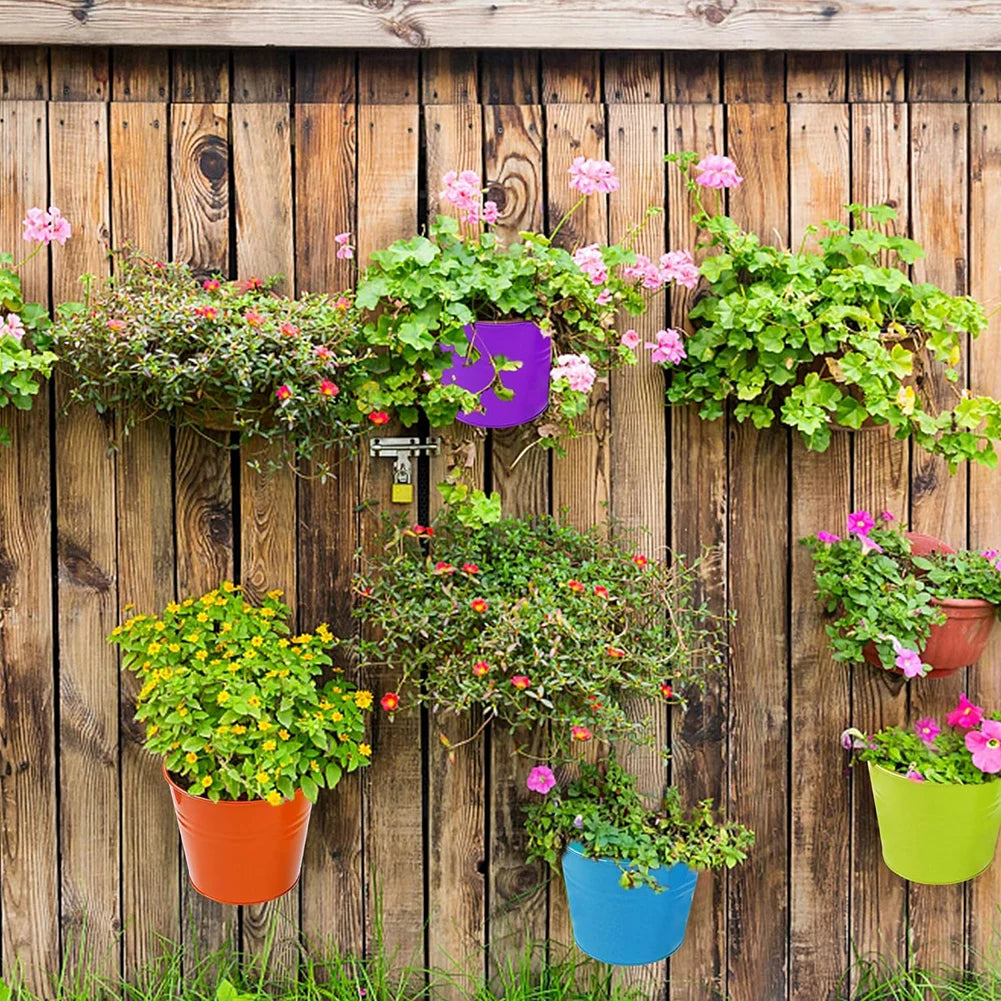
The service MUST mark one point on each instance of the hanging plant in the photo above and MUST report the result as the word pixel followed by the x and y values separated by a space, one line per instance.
pixel 819 340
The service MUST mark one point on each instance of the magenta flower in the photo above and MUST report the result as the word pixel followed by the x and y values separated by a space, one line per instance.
pixel 717 171
pixel 985 746
pixel 887 516
pixel 669 347
pixel 828 537
pixel 490 213
pixel 541 779
pixel 994 556
pixel 909 662
pixel 868 546
pixel 860 523
pixel 591 262
pixel 678 266
pixel 44 227
pixel 12 327
pixel 631 339
pixel 344 250
pixel 576 370
pixel 853 738
pixel 593 177
pixel 914 775
pixel 927 729
pixel 966 714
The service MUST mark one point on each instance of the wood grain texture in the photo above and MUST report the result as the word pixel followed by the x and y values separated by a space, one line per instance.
pixel 936 76
pixel 692 78
pixel 140 75
pixel 938 143
pixel 79 75
pixel 29 844
pixel 574 24
pixel 876 77
pixel 262 76
pixel 199 74
pixel 758 562
pixel 753 77
pixel 819 169
pixel 633 77
pixel 449 76
pixel 571 77
pixel 139 213
pixel 89 828
pixel 816 77
pixel 24 73
pixel 698 519
pixel 510 77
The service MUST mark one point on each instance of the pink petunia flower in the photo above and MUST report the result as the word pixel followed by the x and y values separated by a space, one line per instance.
pixel 541 779
pixel 678 266
pixel 669 347
pixel 914 775
pixel 985 745
pixel 966 714
pixel 715 171
pixel 868 546
pixel 860 523
pixel 927 729
pixel 576 370
pixel 631 339
pixel 592 177
pixel 322 351
pixel 580 733
pixel 828 537
pixel 12 327
pixel 490 213
pixel 887 515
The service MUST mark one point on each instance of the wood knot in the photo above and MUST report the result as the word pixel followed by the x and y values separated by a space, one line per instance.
pixel 82 11
pixel 219 523
pixel 76 567
pixel 212 160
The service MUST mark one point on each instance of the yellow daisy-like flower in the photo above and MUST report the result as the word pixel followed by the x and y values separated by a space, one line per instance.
pixel 201 655
pixel 206 781
pixel 268 613
pixel 324 704
pixel 188 602
pixel 336 690
pixel 257 641
pixel 159 626
pixel 263 725
pixel 208 600
pixel 276 594
pixel 254 701
pixel 129 606
pixel 283 642
pixel 283 673
pixel 215 662
pixel 222 698
pixel 314 767
pixel 175 745
pixel 153 649
pixel 228 586
pixel 117 631
pixel 152 730
pixel 173 606
pixel 249 654
pixel 274 798
pixel 202 617
pixel 342 737
pixel 336 717
pixel 262 777
pixel 191 757
pixel 271 674
pixel 193 637
pixel 166 672
pixel 364 750
pixel 307 656
pixel 233 668
pixel 182 712
pixel 302 638
pixel 269 745
pixel 284 734
pixel 237 729
pixel 174 647
pixel 226 627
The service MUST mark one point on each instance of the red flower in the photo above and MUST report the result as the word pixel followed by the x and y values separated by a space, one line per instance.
pixel 378 417
pixel 211 284
pixel 209 312
pixel 365 592
pixel 470 568
pixel 479 605
pixel 666 690
pixel 576 586
pixel 328 388
pixel 250 284
pixel 442 567
pixel 480 668
pixel 520 682
pixel 289 329
pixel 580 733
pixel 253 317
pixel 600 591
pixel 423 530
pixel 614 651
pixel 283 393
pixel 640 560
pixel 389 701
pixel 593 699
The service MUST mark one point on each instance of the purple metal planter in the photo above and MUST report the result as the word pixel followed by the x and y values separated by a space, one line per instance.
pixel 517 340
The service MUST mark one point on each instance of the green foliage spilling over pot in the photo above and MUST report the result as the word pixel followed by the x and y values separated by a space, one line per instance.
pixel 828 338
pixel 154 340
pixel 603 812
pixel 535 622
pixel 234 702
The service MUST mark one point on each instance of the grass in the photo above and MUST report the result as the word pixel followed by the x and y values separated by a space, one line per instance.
pixel 879 980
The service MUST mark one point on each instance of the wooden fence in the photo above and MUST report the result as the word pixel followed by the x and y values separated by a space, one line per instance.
pixel 249 162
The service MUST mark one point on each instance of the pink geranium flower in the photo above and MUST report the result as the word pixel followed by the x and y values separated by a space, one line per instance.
pixel 590 260
pixel 541 779
pixel 12 327
pixel 344 250
pixel 860 523
pixel 490 213
pixel 604 297
pixel 646 271
pixel 966 714
pixel 715 171
pixel 678 266
pixel 592 177
pixel 576 370
pixel 927 729
pixel 464 191
pixel 985 746
pixel 669 347
pixel 44 227
pixel 631 339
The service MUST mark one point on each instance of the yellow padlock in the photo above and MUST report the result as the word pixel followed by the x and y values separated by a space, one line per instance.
pixel 403 493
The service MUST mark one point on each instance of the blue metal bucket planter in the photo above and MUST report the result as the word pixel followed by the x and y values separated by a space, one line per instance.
pixel 626 927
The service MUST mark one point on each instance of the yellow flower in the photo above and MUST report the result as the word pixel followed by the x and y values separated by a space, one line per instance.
pixel 202 617
pixel 206 781
pixel 275 594
pixel 228 586
pixel 342 737
pixel 313 766
pixel 116 631
pixel 182 712
pixel 188 602
pixel 201 655
pixel 152 730
pixel 283 673
pixel 159 626
pixel 193 637
pixel 222 698
pixel 303 638
pixel 208 600
pixel 269 745
pixel 215 661
pixel 248 654
pixel 153 649
pixel 267 613
pixel 906 399
pixel 262 777
pixel 174 647
pixel 234 668
pixel 263 725
pixel 191 757
pixel 283 642
pixel 129 606
pixel 173 606
pixel 271 674
pixel 284 734
pixel 336 690
pixel 364 750
pixel 323 631
pixel 208 748
pixel 237 729
pixel 226 627
pixel 336 716
pixel 175 745
pixel 324 704
pixel 307 656
pixel 254 701
pixel 274 798
pixel 166 672
pixel 257 641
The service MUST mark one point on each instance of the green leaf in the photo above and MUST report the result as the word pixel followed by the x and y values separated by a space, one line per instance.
pixel 309 788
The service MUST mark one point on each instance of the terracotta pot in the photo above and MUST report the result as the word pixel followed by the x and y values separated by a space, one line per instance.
pixel 961 639
pixel 241 852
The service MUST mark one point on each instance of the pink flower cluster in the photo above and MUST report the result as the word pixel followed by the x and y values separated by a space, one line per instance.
pixel 715 171
pixel 576 370
pixel 593 177
pixel 465 192
pixel 12 327
pixel 994 556
pixel 591 262
pixel 677 266
pixel 344 249
pixel 669 347
pixel 982 740
pixel 44 227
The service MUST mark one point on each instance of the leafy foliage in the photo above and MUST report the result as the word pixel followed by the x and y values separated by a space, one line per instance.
pixel 234 703
pixel 602 811
pixel 151 339
pixel 831 338
pixel 533 621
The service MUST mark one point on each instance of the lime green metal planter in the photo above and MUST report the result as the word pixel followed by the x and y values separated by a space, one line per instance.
pixel 934 833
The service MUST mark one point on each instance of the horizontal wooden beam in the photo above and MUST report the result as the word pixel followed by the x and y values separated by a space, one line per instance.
pixel 577 24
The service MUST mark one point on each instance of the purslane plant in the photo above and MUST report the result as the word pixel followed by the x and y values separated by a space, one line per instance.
pixel 23 324
pixel 153 339
pixel 234 702
pixel 534 622
pixel 603 812
pixel 827 338
pixel 967 751
pixel 882 593
pixel 421 292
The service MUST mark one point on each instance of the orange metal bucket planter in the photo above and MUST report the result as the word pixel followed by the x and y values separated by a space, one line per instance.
pixel 241 852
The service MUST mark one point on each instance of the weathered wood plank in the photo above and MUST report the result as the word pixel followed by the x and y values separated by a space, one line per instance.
pixel 571 77
pixel 816 77
pixel 698 519
pixel 936 76
pixel 29 844
pixel 140 75
pixel 753 77
pixel 875 77
pixel 449 76
pixel 262 76
pixel 758 464
pixel 199 74
pixel 820 688
pixel 326 77
pixel 24 73
pixel 692 77
pixel 633 77
pixel 90 834
pixel 510 77
pixel 139 213
pixel 79 74
pixel 643 24
pixel 388 77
